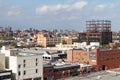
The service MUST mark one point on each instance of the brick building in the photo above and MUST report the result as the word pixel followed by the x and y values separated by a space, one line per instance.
pixel 101 59
pixel 65 71
pixel 58 71
pixel 48 72
pixel 46 40
pixel 97 31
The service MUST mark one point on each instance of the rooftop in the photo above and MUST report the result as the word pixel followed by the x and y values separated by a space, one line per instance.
pixel 113 74
pixel 64 65
pixel 26 52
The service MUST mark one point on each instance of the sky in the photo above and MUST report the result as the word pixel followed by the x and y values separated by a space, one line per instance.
pixel 57 14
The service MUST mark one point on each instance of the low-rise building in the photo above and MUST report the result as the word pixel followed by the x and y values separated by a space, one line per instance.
pixel 54 71
pixel 76 45
pixel 100 59
pixel 62 70
pixel 113 74
pixel 46 40
pixel 48 71
pixel 25 64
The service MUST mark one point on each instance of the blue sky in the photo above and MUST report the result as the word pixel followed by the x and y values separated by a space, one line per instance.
pixel 57 14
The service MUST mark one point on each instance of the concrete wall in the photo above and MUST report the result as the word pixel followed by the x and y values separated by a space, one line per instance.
pixel 29 66
pixel 2 61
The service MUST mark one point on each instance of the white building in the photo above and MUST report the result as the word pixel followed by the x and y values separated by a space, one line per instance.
pixel 50 57
pixel 25 65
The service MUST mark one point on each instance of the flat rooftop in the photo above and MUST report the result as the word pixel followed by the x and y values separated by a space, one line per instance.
pixel 64 66
pixel 102 75
pixel 25 52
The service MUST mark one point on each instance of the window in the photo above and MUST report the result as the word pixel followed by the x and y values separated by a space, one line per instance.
pixel 24 61
pixel 19 73
pixel 36 64
pixel 24 65
pixel 36 59
pixel 24 72
pixel 19 66
pixel 36 70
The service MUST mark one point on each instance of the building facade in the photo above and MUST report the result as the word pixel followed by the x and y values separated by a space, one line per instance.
pixel 2 61
pixel 59 71
pixel 67 70
pixel 48 72
pixel 100 59
pixel 46 40
pixel 97 31
pixel 26 66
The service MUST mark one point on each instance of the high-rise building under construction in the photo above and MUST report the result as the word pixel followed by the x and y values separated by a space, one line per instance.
pixel 97 31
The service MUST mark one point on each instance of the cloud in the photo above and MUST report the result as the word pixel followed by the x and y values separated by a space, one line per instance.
pixel 79 5
pixel 73 18
pixel 114 5
pixel 57 7
pixel 47 8
pixel 100 7
pixel 14 11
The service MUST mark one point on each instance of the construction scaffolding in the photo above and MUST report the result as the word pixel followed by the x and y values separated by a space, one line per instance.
pixel 98 26
pixel 97 31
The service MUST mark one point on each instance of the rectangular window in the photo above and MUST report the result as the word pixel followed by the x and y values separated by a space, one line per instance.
pixel 36 64
pixel 19 73
pixel 24 72
pixel 24 61
pixel 19 66
pixel 36 70
pixel 36 59
pixel 24 65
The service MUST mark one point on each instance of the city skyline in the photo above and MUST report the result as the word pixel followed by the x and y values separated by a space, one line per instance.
pixel 54 14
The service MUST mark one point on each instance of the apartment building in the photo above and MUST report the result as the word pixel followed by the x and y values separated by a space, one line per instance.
pixel 46 40
pixel 25 64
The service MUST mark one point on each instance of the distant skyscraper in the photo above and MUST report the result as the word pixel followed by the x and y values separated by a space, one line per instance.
pixel 30 29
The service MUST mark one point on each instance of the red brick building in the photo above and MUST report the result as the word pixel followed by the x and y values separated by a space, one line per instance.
pixel 101 59
pixel 65 71
pixel 48 72
pixel 52 72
